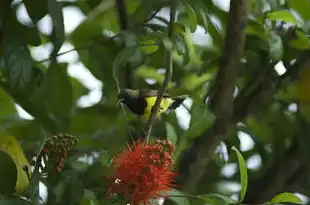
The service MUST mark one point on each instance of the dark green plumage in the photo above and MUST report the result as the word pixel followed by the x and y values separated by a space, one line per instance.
pixel 141 101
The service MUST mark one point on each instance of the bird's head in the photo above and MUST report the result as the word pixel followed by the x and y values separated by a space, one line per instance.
pixel 126 94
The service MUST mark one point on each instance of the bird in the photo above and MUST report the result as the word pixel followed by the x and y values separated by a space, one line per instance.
pixel 140 102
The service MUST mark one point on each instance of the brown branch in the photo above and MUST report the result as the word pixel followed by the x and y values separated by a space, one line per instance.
pixel 128 75
pixel 287 172
pixel 260 90
pixel 168 73
pixel 275 178
pixel 78 48
pixel 221 101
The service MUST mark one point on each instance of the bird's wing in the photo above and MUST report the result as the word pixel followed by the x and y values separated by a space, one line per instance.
pixel 177 101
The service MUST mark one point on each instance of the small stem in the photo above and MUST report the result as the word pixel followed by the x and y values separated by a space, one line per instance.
pixel 65 52
pixel 76 49
pixel 168 74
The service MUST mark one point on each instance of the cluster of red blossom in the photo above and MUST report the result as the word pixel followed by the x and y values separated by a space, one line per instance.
pixel 142 172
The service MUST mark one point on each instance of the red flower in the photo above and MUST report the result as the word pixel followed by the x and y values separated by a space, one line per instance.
pixel 142 172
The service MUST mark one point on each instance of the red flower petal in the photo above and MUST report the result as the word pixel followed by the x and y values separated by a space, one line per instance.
pixel 142 171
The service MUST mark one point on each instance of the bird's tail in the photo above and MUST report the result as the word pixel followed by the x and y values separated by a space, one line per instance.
pixel 177 101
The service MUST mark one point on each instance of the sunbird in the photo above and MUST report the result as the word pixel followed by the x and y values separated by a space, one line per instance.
pixel 140 102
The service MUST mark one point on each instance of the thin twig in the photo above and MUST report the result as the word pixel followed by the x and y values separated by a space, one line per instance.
pixel 65 52
pixel 151 16
pixel 168 74
pixel 77 48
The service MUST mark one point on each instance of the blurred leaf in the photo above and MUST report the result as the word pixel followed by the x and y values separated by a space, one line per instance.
pixel 171 133
pixel 151 73
pixel 304 93
pixel 302 7
pixel 27 34
pixel 301 41
pixel 304 86
pixel 167 43
pixel 36 10
pixel 192 81
pixel 78 89
pixel 14 202
pixel 56 91
pixel 290 92
pixel 276 47
pixel 59 190
pixel 8 174
pixel 10 145
pixel 17 62
pixel 7 105
pixel 149 46
pixel 204 20
pixel 257 7
pixel 192 19
pixel 104 158
pixel 89 198
pixel 55 10
pixel 123 56
pixel 274 4
pixel 286 198
pixel 180 198
pixel 243 173
pixel 209 198
pixel 282 15
pixel 201 120
pixel 214 32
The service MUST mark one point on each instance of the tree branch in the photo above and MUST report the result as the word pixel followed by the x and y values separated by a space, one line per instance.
pixel 78 48
pixel 168 74
pixel 249 101
pixel 123 23
pixel 221 101
pixel 275 178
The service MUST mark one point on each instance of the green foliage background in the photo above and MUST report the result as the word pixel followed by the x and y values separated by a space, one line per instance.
pixel 272 109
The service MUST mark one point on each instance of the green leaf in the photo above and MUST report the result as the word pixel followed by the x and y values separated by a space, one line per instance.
pixel 201 119
pixel 167 43
pixel 191 16
pixel 151 73
pixel 192 81
pixel 89 198
pixel 276 47
pixel 17 62
pixel 178 199
pixel 171 133
pixel 149 46
pixel 209 197
pixel 204 20
pixel 301 42
pixel 123 56
pixel 243 173
pixel 302 7
pixel 58 35
pixel 26 34
pixel 8 174
pixel 36 9
pixel 282 15
pixel 55 91
pixel 60 88
pixel 286 198
pixel 14 202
